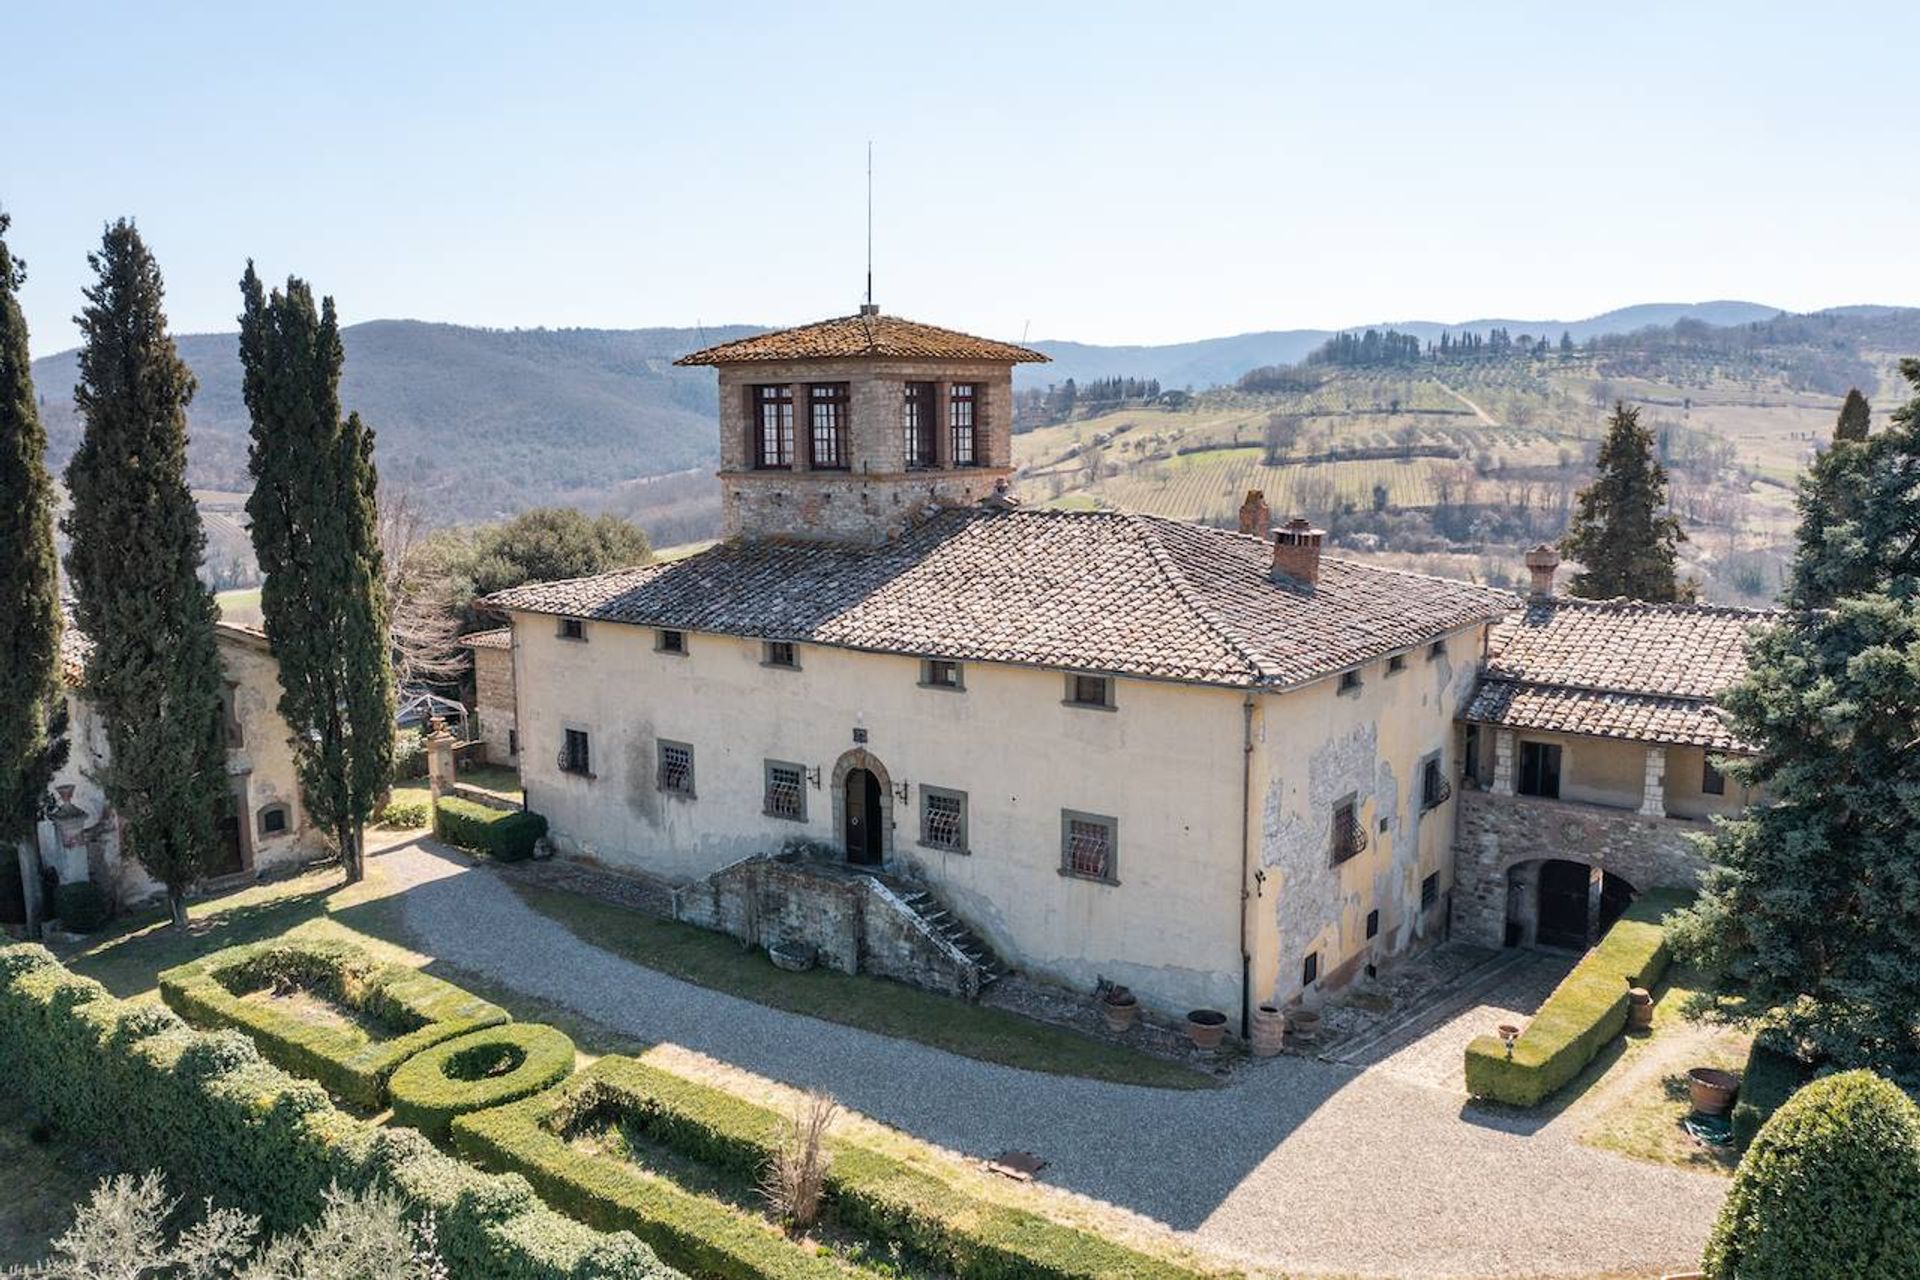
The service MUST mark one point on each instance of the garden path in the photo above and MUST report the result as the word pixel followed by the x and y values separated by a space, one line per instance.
pixel 1298 1165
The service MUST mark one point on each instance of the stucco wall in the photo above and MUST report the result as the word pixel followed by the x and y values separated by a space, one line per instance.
pixel 1166 763
pixel 1316 746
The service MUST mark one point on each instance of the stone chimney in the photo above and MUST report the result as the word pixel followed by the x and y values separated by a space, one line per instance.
pixel 1541 563
pixel 1255 516
pixel 1296 550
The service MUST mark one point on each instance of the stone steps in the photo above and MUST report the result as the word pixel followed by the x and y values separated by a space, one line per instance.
pixel 949 926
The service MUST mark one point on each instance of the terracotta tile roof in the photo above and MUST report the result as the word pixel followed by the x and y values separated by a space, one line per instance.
pixel 862 335
pixel 498 638
pixel 1091 591
pixel 1616 669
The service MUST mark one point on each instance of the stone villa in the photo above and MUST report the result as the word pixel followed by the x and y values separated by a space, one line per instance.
pixel 902 717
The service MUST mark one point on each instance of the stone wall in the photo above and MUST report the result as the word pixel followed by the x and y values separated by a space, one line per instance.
pixel 1496 833
pixel 494 704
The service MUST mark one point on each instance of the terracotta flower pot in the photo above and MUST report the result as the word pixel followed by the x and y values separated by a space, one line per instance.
pixel 1303 1025
pixel 1206 1028
pixel 1269 1031
pixel 1120 1010
pixel 1639 1007
pixel 1712 1091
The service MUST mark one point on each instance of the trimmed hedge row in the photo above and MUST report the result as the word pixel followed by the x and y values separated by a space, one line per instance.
pixel 506 834
pixel 418 1010
pixel 1771 1077
pixel 1585 1011
pixel 452 1078
pixel 868 1192
pixel 209 1110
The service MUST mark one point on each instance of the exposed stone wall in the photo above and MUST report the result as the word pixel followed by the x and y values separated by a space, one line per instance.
pixel 494 703
pixel 1497 833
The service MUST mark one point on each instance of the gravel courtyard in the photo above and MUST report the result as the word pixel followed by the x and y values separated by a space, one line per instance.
pixel 1299 1166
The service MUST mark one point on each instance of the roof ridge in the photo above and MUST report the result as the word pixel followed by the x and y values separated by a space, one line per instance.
pixel 1621 603
pixel 1189 594
pixel 1494 677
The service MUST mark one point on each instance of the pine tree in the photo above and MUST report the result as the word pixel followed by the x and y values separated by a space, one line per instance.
pixel 32 706
pixel 1859 507
pixel 135 544
pixel 1856 417
pixel 314 520
pixel 1619 533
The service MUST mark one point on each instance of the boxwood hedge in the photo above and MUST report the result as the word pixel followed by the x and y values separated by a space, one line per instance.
pixel 1586 1010
pixel 476 1071
pixel 868 1192
pixel 205 1107
pixel 411 1010
pixel 506 834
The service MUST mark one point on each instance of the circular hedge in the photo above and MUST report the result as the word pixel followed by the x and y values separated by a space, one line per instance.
pixel 476 1071
pixel 1830 1187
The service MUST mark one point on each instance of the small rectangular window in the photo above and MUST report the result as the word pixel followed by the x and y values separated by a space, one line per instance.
pixel 1349 681
pixel 671 642
pixel 772 409
pixel 943 819
pixel 1396 664
pixel 963 419
pixel 575 753
pixel 273 820
pixel 572 629
pixel 779 653
pixel 676 768
pixel 1430 891
pixel 1310 969
pixel 1088 845
pixel 1712 781
pixel 1349 837
pixel 1090 691
pixel 827 411
pixel 1373 923
pixel 1436 651
pixel 786 791
pixel 939 673
pixel 917 425
pixel 1540 770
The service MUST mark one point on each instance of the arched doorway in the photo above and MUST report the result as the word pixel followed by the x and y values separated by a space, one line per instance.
pixel 1559 902
pixel 861 800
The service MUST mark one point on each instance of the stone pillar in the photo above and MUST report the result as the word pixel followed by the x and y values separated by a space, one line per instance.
pixel 1502 762
pixel 439 744
pixel 1653 800
pixel 1596 881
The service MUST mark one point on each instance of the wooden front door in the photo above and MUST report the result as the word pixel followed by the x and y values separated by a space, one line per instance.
pixel 863 818
pixel 233 858
pixel 1563 904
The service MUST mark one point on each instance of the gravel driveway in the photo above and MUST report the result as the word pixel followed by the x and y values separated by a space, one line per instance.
pixel 1297 1165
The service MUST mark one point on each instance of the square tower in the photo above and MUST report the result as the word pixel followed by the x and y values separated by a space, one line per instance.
pixel 845 430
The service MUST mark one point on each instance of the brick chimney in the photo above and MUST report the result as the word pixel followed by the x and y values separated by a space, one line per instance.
pixel 1255 516
pixel 1541 563
pixel 1296 550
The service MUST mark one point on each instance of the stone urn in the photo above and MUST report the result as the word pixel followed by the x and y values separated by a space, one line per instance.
pixel 1711 1090
pixel 1269 1031
pixel 794 957
pixel 1206 1028
pixel 1303 1025
pixel 1120 1009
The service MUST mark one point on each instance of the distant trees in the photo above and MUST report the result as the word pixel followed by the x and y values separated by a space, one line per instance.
pixel 1280 435
pixel 314 526
pixel 1856 417
pixel 1374 347
pixel 32 709
pixel 1622 534
pixel 135 545
pixel 548 543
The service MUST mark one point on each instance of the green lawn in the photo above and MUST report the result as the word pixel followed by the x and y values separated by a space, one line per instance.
pixel 873 1004
pixel 494 779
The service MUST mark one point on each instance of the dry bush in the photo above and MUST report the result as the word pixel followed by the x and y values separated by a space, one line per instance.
pixel 797 1173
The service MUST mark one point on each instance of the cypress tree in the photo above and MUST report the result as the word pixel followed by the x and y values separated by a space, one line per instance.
pixel 32 708
pixel 314 516
pixel 1619 534
pixel 1859 507
pixel 1856 417
pixel 135 545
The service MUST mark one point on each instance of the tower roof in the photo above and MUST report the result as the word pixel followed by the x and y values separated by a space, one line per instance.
pixel 863 335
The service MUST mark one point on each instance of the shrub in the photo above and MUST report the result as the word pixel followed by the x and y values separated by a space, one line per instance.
pixel 411 1010
pixel 1586 1010
pixel 483 1069
pixel 1771 1077
pixel 1830 1187
pixel 137 1082
pixel 868 1192
pixel 797 1174
pixel 407 814
pixel 506 834
pixel 81 906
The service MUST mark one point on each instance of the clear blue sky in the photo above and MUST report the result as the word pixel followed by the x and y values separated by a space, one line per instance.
pixel 1107 172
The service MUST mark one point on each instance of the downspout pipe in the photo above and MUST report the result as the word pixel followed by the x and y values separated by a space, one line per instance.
pixel 1246 867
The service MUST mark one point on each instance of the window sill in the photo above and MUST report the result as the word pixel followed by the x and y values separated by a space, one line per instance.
pixel 943 848
pixel 1088 706
pixel 943 688
pixel 670 653
pixel 571 639
pixel 1084 879
pixel 784 817
pixel 582 774
pixel 781 666
pixel 772 466
pixel 674 793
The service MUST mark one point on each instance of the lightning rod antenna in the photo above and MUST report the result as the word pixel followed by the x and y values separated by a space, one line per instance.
pixel 869 307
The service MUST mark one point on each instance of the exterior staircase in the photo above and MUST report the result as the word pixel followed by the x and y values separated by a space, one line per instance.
pixel 938 918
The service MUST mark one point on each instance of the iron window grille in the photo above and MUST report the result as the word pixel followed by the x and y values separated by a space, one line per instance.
pixel 1435 790
pixel 273 820
pixel 1088 847
pixel 676 768
pixel 939 673
pixel 1430 891
pixel 786 791
pixel 1373 923
pixel 1349 833
pixel 827 411
pixel 963 422
pixel 773 434
pixel 1310 969
pixel 943 819
pixel 576 754
pixel 917 425
pixel 779 653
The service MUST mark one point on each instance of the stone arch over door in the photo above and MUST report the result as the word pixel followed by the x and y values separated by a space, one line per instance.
pixel 861 758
